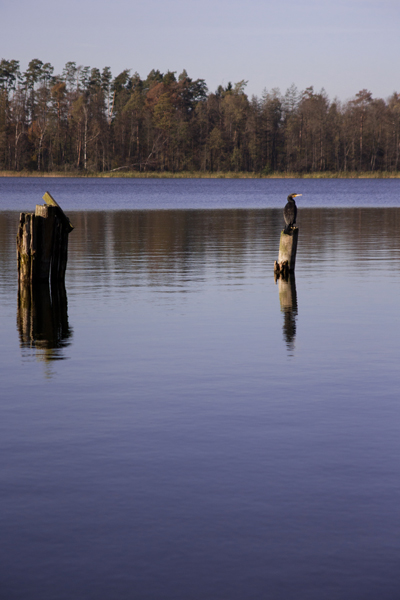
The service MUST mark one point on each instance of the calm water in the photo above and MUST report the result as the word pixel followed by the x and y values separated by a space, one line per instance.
pixel 176 425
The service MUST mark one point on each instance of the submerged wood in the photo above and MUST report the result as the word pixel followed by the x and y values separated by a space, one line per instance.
pixel 42 243
pixel 287 253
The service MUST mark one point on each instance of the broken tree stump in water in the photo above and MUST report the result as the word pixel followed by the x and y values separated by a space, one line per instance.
pixel 42 243
pixel 287 253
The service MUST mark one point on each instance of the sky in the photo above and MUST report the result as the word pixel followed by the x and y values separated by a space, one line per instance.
pixel 343 46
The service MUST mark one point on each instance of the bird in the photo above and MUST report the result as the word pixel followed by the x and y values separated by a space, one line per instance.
pixel 290 212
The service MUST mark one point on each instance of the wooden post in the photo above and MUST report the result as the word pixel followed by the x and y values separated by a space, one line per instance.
pixel 288 302
pixel 287 253
pixel 287 294
pixel 26 246
pixel 42 243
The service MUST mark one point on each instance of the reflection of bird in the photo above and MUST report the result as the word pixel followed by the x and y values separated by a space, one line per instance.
pixel 290 212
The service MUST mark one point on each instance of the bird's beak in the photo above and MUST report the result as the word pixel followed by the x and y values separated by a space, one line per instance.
pixel 298 195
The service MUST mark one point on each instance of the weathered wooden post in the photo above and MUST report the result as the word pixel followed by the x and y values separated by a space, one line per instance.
pixel 42 251
pixel 287 253
pixel 42 243
pixel 287 294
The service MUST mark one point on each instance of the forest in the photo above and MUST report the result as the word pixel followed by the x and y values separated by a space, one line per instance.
pixel 87 121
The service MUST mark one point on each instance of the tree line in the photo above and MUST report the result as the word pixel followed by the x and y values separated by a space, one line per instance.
pixel 86 120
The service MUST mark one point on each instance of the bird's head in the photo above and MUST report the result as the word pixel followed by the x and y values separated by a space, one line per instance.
pixel 293 196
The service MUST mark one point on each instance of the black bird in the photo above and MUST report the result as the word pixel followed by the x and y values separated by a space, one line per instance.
pixel 290 212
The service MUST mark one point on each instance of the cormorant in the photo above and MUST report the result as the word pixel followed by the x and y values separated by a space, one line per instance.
pixel 290 212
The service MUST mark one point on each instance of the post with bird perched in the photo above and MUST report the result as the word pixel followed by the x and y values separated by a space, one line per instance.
pixel 288 242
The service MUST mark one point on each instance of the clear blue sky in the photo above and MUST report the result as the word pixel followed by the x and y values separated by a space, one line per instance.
pixel 341 45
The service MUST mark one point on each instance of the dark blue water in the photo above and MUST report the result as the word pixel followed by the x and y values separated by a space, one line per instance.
pixel 175 424
pixel 128 194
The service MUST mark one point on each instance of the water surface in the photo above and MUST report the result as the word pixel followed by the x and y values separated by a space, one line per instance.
pixel 175 424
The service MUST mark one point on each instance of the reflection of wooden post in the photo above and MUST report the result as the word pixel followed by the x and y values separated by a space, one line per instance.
pixel 42 317
pixel 42 243
pixel 287 253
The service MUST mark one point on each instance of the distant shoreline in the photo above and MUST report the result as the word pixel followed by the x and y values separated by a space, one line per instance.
pixel 201 175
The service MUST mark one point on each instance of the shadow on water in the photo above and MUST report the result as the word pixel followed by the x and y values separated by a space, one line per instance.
pixel 288 302
pixel 42 320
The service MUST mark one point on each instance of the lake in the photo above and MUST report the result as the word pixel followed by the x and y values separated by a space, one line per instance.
pixel 177 425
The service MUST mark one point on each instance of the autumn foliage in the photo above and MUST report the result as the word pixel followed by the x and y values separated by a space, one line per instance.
pixel 85 120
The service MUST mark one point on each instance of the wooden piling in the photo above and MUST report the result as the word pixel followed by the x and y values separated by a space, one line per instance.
pixel 26 246
pixel 42 243
pixel 287 294
pixel 287 253
pixel 288 302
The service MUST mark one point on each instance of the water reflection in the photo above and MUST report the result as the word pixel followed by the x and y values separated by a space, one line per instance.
pixel 168 243
pixel 172 249
pixel 119 247
pixel 206 422
pixel 42 320
pixel 180 251
pixel 288 302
